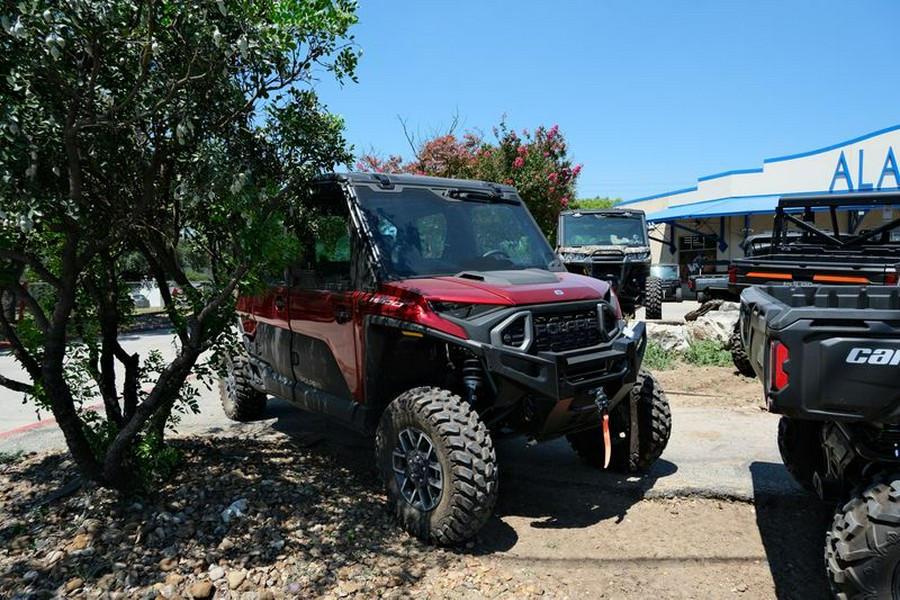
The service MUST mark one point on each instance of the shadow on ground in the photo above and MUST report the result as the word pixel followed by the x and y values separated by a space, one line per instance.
pixel 792 528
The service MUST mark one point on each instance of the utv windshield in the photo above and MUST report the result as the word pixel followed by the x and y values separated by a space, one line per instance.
pixel 603 229
pixel 425 233
pixel 664 271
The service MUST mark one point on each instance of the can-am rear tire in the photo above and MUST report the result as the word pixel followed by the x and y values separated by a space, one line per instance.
pixel 240 400
pixel 654 420
pixel 862 549
pixel 739 354
pixel 800 445
pixel 438 465
pixel 653 299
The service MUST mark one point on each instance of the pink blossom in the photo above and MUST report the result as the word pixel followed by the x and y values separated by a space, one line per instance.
pixel 487 153
pixel 576 170
pixel 509 181
pixel 564 201
pixel 360 166
pixel 546 155
pixel 552 189
pixel 518 162
pixel 523 150
pixel 552 176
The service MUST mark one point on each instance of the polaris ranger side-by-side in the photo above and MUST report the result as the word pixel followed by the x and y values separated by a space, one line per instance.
pixel 612 244
pixel 828 358
pixel 434 314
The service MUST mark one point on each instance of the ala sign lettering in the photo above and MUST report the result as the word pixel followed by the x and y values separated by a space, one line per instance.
pixel 888 179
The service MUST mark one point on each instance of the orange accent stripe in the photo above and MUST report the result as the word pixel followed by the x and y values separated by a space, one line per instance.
pixel 762 275
pixel 839 279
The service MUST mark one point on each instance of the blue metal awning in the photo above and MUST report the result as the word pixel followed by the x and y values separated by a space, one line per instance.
pixel 724 207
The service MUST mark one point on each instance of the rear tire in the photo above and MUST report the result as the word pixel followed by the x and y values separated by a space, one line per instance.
pixel 653 299
pixel 702 297
pixel 862 549
pixel 654 428
pixel 679 295
pixel 437 463
pixel 739 354
pixel 800 445
pixel 240 400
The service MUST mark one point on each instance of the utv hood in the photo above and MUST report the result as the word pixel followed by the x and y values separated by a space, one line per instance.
pixel 511 288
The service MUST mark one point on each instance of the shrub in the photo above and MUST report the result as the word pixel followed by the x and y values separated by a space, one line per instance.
pixel 657 358
pixel 707 353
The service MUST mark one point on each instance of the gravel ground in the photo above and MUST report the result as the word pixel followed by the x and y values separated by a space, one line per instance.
pixel 301 526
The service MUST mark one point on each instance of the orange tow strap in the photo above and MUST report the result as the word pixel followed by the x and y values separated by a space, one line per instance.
pixel 607 444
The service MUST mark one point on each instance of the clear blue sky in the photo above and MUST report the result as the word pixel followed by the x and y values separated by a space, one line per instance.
pixel 650 95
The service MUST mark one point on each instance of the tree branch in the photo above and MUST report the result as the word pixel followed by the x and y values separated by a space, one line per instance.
pixel 16 386
pixel 32 261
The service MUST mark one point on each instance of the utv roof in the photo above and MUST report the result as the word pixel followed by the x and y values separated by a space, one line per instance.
pixel 853 199
pixel 388 181
pixel 602 211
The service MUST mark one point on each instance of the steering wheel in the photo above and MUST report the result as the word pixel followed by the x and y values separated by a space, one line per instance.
pixel 498 254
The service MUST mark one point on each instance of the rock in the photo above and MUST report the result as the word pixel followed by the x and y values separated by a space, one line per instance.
pixel 730 307
pixel 201 590
pixel 74 584
pixel 31 576
pixel 236 510
pixel 106 582
pixel 216 572
pixel 168 564
pixel 174 579
pixel 225 545
pixel 236 578
pixel 669 337
pixel 81 541
pixel 716 326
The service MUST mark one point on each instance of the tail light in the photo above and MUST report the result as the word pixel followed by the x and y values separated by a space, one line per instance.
pixel 732 274
pixel 890 278
pixel 778 355
pixel 691 284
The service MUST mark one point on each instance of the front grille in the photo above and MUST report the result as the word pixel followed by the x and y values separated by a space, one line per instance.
pixel 568 331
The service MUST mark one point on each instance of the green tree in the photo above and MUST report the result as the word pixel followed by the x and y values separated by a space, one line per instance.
pixel 598 202
pixel 144 127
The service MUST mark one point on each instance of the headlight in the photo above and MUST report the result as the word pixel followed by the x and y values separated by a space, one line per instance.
pixel 461 310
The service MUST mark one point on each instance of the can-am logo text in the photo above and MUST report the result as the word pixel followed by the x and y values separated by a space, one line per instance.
pixel 878 356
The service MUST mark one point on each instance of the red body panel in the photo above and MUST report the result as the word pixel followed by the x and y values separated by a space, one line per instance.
pixel 313 312
pixel 569 287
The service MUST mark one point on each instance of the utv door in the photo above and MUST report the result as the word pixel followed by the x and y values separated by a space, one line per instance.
pixel 322 310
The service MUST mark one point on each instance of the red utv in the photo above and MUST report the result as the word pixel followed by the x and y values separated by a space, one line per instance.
pixel 433 313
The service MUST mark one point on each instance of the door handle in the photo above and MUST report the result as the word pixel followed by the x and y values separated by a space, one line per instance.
pixel 342 315
pixel 280 303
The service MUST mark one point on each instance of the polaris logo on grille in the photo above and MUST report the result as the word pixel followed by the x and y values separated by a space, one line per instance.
pixel 878 356
pixel 571 326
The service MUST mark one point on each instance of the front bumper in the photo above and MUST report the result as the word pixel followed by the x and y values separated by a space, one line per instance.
pixel 559 375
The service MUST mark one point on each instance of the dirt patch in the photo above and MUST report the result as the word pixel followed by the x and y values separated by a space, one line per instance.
pixel 710 387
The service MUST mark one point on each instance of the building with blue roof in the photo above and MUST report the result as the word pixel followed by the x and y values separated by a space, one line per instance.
pixel 713 218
